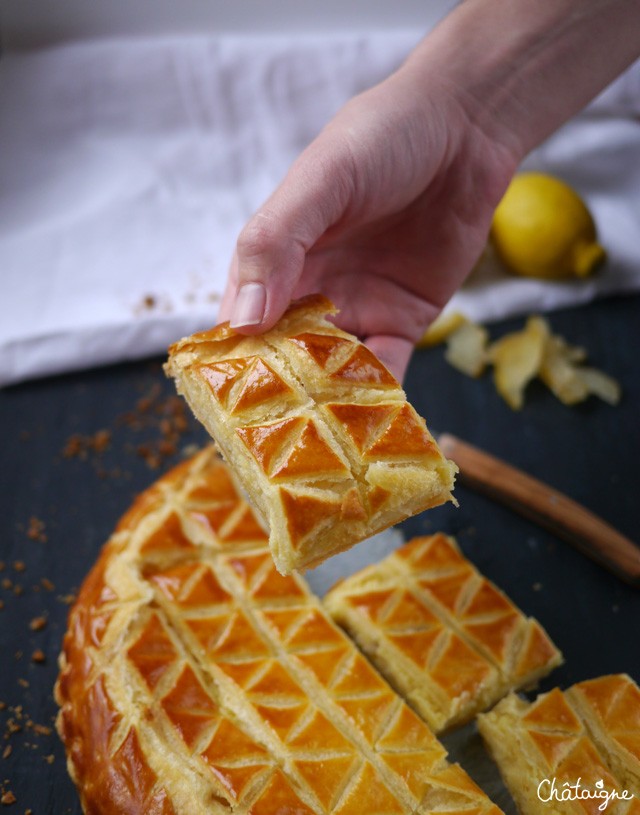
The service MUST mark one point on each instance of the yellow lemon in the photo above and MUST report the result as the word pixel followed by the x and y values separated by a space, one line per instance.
pixel 542 228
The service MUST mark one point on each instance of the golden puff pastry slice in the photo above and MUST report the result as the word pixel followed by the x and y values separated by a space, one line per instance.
pixel 196 680
pixel 318 432
pixel 443 635
pixel 554 760
pixel 610 708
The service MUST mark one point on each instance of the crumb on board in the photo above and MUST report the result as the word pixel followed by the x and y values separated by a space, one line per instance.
pixel 38 623
pixel 166 417
pixel 12 726
pixel 36 530
pixel 79 446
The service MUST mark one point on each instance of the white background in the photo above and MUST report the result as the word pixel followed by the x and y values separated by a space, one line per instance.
pixel 137 136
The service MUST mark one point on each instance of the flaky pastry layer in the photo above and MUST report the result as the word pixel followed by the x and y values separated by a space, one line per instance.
pixel 443 635
pixel 318 432
pixel 196 680
pixel 567 750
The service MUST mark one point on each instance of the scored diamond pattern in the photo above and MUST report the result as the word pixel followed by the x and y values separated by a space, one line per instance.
pixel 189 707
pixel 325 442
pixel 293 448
pixel 248 698
pixel 153 652
pixel 134 782
pixel 344 361
pixel 561 739
pixel 517 645
pixel 610 708
pixel 442 634
pixel 244 384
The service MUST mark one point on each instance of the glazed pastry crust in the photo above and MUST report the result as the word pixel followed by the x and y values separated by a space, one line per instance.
pixel 196 679
pixel 610 708
pixel 556 737
pixel 443 635
pixel 318 432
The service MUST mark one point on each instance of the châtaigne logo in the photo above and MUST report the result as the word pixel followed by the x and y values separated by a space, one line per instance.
pixel 550 790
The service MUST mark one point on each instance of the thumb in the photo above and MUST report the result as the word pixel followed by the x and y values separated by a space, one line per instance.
pixel 272 248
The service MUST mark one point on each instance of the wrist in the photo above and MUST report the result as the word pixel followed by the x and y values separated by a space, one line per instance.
pixel 519 69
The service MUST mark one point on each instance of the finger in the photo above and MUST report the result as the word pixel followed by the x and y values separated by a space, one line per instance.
pixel 272 247
pixel 394 352
pixel 229 295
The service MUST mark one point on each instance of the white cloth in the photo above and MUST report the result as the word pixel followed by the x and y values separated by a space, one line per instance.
pixel 128 166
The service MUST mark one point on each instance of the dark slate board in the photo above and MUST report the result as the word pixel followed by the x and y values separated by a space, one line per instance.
pixel 590 452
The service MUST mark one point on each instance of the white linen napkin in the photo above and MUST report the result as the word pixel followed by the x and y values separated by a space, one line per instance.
pixel 128 166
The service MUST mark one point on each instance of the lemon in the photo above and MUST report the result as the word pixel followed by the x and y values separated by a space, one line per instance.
pixel 542 228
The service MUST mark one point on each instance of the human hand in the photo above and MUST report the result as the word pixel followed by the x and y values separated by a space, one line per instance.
pixel 388 209
pixel 385 213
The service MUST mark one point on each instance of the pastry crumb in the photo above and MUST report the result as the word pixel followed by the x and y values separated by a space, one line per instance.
pixel 38 623
pixel 79 446
pixel 36 530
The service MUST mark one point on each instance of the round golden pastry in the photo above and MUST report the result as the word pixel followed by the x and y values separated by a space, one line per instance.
pixel 195 679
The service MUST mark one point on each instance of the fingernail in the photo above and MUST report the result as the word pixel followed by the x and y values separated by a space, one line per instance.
pixel 248 308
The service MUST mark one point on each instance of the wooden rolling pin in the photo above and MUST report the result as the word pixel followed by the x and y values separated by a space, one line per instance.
pixel 546 507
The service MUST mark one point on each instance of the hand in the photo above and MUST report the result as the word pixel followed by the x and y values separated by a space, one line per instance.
pixel 385 213
pixel 388 209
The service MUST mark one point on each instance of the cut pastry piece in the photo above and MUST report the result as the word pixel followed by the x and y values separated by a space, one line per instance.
pixel 318 432
pixel 441 633
pixel 570 753
pixel 196 680
pixel 610 708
